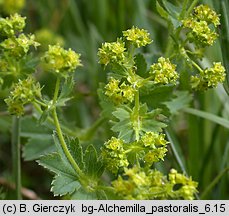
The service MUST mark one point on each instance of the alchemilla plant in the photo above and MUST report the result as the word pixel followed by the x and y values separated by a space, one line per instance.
pixel 131 163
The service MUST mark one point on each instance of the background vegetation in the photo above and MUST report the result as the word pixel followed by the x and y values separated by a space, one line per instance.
pixel 201 139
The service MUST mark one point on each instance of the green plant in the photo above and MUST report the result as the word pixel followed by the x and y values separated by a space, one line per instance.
pixel 138 103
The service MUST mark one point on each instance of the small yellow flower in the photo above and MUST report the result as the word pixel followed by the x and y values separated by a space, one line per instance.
pixel 114 155
pixel 11 25
pixel 204 12
pixel 112 87
pixel 139 37
pixel 128 92
pixel 114 144
pixel 201 33
pixel 123 187
pixel 24 92
pixel 119 93
pixel 209 78
pixel 142 183
pixel 113 52
pixel 153 139
pixel 19 46
pixel 164 72
pixel 61 61
pixel 188 187
pixel 155 155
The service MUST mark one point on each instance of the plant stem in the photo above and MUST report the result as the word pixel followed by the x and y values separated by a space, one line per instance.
pixel 84 135
pixel 57 88
pixel 192 6
pixel 60 134
pixel 185 55
pixel 16 155
pixel 136 115
pixel 51 121
pixel 41 103
pixel 184 6
pixel 197 66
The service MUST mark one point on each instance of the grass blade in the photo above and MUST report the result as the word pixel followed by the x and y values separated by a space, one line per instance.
pixel 214 118
pixel 176 150
pixel 213 183
pixel 224 39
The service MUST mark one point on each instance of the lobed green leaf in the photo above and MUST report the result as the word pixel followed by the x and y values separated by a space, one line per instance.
pixel 93 166
pixel 37 147
pixel 55 164
pixel 62 185
pixel 182 100
pixel 76 151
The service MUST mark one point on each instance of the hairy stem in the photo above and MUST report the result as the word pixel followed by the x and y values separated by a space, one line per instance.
pixel 51 121
pixel 16 155
pixel 56 92
pixel 60 134
pixel 84 135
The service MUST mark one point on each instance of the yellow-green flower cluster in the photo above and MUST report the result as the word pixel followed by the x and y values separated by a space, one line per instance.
pixel 116 53
pixel 61 61
pixel 12 6
pixel 209 78
pixel 155 155
pixel 24 92
pixel 164 72
pixel 187 189
pixel 135 187
pixel 113 155
pixel 204 12
pixel 141 183
pixel 139 37
pixel 119 93
pixel 18 46
pixel 15 43
pixel 155 147
pixel 153 139
pixel 201 34
pixel 200 25
pixel 12 25
pixel 113 52
pixel 150 149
